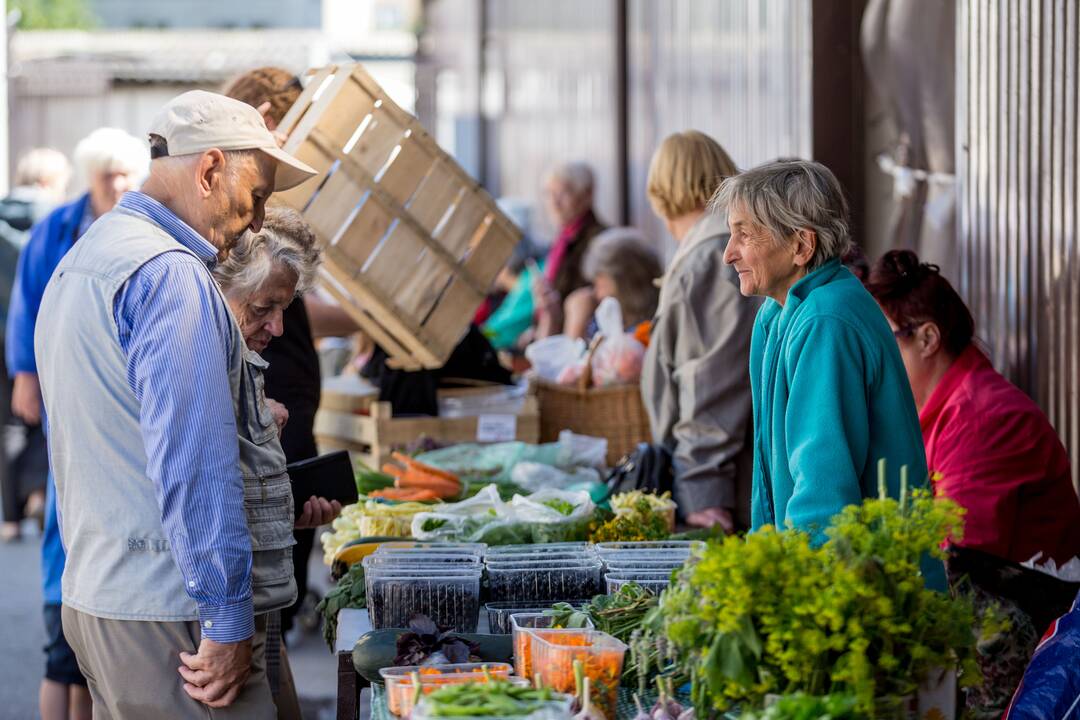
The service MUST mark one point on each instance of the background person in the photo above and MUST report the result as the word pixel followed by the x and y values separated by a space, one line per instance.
pixel 694 380
pixel 40 179
pixel 831 397
pixel 995 452
pixel 621 264
pixel 568 199
pixel 110 161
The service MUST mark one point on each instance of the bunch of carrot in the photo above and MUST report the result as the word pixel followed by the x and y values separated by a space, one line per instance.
pixel 416 482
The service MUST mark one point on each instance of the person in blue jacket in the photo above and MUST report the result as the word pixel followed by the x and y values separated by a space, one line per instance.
pixel 830 393
pixel 111 161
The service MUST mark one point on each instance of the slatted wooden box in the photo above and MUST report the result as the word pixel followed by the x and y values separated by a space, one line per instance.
pixel 412 243
pixel 369 430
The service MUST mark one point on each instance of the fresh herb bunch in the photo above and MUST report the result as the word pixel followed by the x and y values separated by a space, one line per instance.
pixel 774 614
pixel 618 614
pixel 800 706
pixel 350 592
pixel 622 615
pixel 642 523
pixel 494 698
pixel 425 639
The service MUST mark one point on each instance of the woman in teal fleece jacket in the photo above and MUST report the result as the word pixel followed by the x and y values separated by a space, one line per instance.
pixel 830 393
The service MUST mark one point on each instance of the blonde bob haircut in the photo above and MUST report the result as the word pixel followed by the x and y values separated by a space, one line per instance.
pixel 685 172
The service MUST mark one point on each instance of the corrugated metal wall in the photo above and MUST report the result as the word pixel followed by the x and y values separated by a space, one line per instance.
pixel 736 69
pixel 549 94
pixel 1017 130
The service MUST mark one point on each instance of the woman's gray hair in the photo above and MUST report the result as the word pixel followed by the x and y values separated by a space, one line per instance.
pixel 786 196
pixel 578 176
pixel 285 240
pixel 624 255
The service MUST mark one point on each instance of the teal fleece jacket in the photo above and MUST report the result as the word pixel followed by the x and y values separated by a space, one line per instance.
pixel 831 397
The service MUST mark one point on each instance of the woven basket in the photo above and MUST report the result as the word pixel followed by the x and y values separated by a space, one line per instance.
pixel 616 412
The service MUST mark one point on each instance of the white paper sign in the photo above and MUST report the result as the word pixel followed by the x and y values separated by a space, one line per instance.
pixel 496 428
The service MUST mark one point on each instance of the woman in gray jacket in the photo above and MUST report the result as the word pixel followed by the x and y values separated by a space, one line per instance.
pixel 695 381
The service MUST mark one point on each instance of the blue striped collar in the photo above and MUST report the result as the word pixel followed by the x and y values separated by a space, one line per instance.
pixel 162 216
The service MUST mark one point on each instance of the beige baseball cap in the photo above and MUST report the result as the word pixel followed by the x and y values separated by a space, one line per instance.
pixel 197 121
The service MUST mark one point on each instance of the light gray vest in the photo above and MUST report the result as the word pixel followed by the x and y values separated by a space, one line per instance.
pixel 268 496
pixel 118 560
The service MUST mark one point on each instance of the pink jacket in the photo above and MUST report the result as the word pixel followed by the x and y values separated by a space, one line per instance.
pixel 999 457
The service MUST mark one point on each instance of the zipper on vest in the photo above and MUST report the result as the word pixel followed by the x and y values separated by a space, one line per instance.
pixel 262 484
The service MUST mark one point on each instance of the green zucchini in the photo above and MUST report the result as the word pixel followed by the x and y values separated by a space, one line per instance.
pixel 376 649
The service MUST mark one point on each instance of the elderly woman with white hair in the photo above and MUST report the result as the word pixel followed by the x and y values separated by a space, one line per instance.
pixel 262 275
pixel 568 199
pixel 109 162
pixel 830 393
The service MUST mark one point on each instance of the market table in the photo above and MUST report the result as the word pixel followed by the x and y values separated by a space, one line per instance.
pixel 352 692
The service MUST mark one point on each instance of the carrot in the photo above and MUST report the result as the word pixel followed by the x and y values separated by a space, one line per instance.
pixel 429 469
pixel 393 470
pixel 415 478
pixel 405 494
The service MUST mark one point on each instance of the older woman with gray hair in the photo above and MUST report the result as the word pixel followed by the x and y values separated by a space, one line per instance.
pixel 621 264
pixel 830 393
pixel 261 276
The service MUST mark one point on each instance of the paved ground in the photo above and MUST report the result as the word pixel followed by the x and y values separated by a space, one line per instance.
pixel 22 662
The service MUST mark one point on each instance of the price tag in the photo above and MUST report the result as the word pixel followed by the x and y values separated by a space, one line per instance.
pixel 496 428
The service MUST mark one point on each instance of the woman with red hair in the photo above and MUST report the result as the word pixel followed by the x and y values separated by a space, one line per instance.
pixel 990 447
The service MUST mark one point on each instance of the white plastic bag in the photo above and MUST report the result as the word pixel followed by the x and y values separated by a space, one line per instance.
pixel 455 519
pixel 533 477
pixel 581 450
pixel 535 508
pixel 618 359
pixel 551 355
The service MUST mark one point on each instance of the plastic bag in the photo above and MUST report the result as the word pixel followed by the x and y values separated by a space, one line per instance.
pixel 1050 689
pixel 495 462
pixel 555 515
pixel 547 506
pixel 551 355
pixel 581 450
pixel 546 516
pixel 459 521
pixel 618 359
pixel 533 476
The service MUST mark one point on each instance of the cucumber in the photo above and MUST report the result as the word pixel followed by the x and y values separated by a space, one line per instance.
pixel 376 649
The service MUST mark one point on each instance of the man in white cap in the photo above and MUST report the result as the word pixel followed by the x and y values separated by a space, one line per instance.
pixel 139 361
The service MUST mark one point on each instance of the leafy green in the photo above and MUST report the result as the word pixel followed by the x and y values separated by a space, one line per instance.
pixel 495 698
pixel 350 592
pixel 775 613
pixel 425 638
pixel 642 523
pixel 432 524
pixel 808 707
pixel 560 506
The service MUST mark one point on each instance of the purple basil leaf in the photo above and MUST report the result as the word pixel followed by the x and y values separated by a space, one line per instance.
pixel 423 625
pixel 456 651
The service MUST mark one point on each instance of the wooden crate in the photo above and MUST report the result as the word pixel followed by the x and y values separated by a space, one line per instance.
pixel 368 429
pixel 412 243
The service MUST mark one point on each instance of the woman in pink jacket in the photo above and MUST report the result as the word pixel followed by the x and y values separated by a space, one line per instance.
pixel 991 448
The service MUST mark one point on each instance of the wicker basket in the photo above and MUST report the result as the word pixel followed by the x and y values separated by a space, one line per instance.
pixel 616 412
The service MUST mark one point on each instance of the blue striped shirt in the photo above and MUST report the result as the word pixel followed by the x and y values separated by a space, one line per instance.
pixel 177 334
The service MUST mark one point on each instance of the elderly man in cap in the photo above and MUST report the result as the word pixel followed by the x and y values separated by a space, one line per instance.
pixel 140 360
